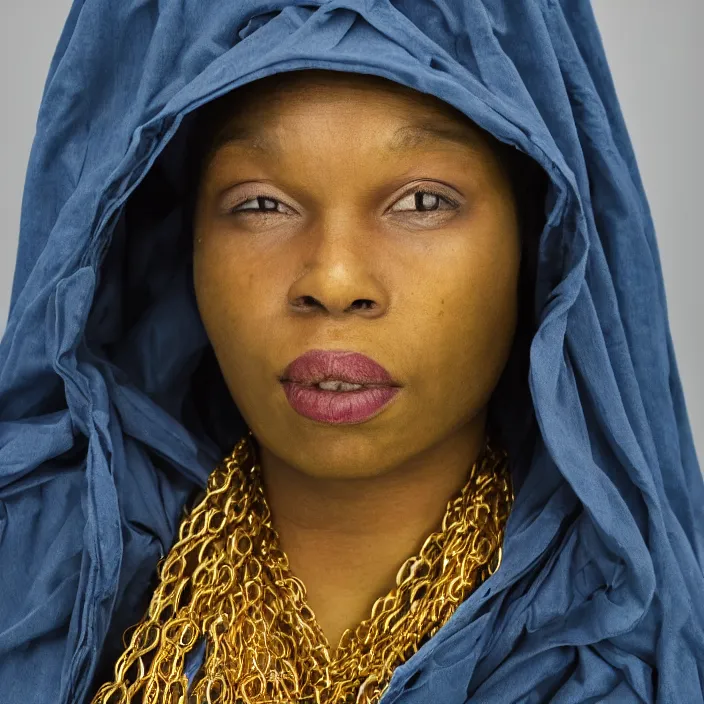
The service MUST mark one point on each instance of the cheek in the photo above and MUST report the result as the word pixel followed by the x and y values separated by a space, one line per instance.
pixel 469 327
pixel 232 309
pixel 226 295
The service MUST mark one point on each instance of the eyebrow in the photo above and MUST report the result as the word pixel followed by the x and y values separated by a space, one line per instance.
pixel 407 137
pixel 419 135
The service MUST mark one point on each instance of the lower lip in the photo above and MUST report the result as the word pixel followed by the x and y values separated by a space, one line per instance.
pixel 338 406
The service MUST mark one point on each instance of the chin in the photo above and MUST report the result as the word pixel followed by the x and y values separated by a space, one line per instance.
pixel 341 451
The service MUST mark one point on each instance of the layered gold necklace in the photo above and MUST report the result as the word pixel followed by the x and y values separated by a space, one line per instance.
pixel 227 580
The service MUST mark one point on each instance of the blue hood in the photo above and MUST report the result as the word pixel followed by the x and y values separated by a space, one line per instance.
pixel 103 440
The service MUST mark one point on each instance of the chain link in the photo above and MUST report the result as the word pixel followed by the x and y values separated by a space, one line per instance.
pixel 226 579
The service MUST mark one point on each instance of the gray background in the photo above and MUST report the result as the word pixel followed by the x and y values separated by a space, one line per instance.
pixel 656 58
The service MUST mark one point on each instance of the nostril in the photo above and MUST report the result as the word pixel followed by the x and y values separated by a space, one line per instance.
pixel 305 302
pixel 363 303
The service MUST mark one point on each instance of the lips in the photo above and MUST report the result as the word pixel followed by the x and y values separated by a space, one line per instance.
pixel 302 376
pixel 333 365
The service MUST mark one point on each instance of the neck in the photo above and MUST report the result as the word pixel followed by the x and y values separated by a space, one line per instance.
pixel 346 538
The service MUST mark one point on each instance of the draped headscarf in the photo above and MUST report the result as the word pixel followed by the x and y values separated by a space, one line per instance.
pixel 103 438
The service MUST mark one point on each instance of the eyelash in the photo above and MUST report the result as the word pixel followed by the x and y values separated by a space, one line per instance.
pixel 235 211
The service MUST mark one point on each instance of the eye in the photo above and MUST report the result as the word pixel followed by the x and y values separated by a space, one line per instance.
pixel 424 200
pixel 260 204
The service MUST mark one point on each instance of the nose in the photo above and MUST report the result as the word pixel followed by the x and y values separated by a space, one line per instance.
pixel 340 277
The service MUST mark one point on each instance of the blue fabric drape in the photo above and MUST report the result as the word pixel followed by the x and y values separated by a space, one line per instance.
pixel 600 596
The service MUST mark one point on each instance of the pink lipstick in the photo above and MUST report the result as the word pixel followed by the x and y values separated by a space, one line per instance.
pixel 335 386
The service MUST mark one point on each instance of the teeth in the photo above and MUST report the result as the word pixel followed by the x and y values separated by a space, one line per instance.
pixel 338 386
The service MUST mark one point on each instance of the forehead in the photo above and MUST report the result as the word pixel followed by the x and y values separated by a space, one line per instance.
pixel 248 117
pixel 331 86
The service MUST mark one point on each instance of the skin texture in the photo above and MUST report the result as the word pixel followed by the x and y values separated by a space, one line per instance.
pixel 352 502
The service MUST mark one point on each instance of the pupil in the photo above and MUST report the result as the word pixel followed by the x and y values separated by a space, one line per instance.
pixel 264 201
pixel 426 201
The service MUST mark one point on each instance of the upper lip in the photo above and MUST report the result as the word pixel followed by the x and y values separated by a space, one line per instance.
pixel 315 366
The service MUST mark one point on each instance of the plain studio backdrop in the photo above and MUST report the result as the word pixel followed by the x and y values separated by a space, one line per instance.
pixel 656 56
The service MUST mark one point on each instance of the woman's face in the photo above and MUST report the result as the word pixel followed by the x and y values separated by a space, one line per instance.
pixel 309 235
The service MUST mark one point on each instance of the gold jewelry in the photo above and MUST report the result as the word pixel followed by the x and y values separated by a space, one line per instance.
pixel 227 579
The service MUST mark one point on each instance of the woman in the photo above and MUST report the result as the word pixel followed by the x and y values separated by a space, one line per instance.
pixel 508 509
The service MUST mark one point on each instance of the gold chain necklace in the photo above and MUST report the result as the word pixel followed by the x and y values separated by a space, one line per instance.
pixel 226 579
